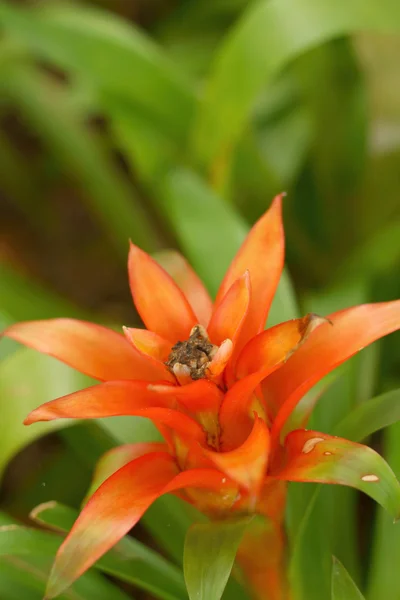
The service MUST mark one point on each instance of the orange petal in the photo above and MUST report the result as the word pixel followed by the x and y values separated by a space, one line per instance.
pixel 316 457
pixel 236 410
pixel 230 313
pixel 160 303
pixel 246 464
pixel 219 495
pixel 117 398
pixel 110 513
pixel 92 349
pixel 202 399
pixel 117 506
pixel 118 457
pixel 262 254
pixel 200 395
pixel 328 347
pixel 149 343
pixel 276 344
pixel 189 282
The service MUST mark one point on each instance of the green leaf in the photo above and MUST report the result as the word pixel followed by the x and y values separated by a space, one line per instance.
pixel 130 560
pixel 343 587
pixel 270 35
pixel 22 298
pixel 81 154
pixel 32 551
pixel 383 578
pixel 210 550
pixel 110 57
pixel 14 584
pixel 28 379
pixel 370 416
pixel 361 468
pixel 310 566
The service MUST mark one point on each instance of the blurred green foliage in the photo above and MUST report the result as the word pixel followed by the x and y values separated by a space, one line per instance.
pixel 174 123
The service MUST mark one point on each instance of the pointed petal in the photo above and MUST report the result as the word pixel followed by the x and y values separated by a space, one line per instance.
pixel 328 347
pixel 92 349
pixel 149 343
pixel 117 506
pixel 230 313
pixel 196 396
pixel 202 399
pixel 276 345
pixel 160 303
pixel 189 282
pixel 208 489
pixel 262 253
pixel 117 398
pixel 118 457
pixel 238 406
pixel 110 513
pixel 246 464
pixel 316 457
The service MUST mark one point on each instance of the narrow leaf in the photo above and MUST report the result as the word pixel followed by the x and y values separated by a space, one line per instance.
pixel 210 550
pixel 371 416
pixel 43 379
pixel 130 561
pixel 269 36
pixel 343 587
pixel 32 552
pixel 82 155
pixel 383 578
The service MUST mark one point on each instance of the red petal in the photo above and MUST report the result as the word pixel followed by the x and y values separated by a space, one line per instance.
pixel 246 464
pixel 230 313
pixel 276 344
pixel 117 398
pixel 117 506
pixel 189 282
pixel 262 253
pixel 161 304
pixel 327 348
pixel 149 343
pixel 89 348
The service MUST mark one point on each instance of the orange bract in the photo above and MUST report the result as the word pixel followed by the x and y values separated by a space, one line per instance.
pixel 218 387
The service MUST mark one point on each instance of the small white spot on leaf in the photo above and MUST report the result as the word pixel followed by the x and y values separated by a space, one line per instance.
pixel 371 478
pixel 311 443
pixel 327 453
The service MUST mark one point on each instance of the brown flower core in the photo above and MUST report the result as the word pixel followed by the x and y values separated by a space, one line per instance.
pixel 195 353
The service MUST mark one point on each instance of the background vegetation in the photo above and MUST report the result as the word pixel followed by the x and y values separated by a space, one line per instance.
pixel 174 123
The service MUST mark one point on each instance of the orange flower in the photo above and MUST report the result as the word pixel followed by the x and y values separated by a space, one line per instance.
pixel 221 390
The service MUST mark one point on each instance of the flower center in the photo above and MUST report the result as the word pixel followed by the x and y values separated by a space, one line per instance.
pixel 195 354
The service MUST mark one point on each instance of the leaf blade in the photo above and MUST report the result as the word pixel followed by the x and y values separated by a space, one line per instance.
pixel 209 554
pixel 343 587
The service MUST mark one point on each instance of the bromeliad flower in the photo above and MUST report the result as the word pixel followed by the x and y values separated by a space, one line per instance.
pixel 225 395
